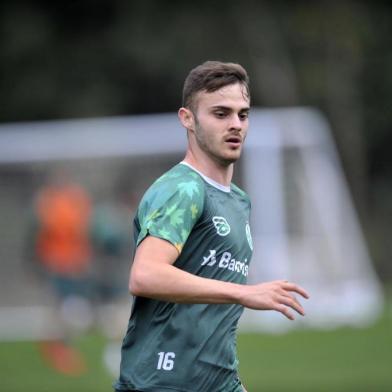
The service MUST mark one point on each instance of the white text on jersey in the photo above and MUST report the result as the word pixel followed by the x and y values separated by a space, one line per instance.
pixel 226 262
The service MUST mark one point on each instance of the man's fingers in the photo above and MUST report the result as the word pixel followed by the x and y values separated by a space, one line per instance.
pixel 295 288
pixel 285 311
pixel 292 303
pixel 292 297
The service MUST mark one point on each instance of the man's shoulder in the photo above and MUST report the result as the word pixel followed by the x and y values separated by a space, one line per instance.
pixel 171 206
pixel 179 178
pixel 178 174
pixel 178 182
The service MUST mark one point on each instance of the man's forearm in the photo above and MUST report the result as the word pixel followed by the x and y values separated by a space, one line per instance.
pixel 168 283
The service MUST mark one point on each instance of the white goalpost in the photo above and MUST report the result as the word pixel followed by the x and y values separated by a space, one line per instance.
pixel 304 223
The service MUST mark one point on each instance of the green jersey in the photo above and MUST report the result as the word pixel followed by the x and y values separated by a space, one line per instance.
pixel 189 347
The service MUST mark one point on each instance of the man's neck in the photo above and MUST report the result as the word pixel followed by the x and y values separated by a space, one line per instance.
pixel 219 173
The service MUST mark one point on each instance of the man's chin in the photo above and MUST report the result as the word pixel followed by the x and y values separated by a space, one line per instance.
pixel 234 155
pixel 231 158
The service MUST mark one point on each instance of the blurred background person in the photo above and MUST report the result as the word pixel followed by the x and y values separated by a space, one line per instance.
pixel 62 210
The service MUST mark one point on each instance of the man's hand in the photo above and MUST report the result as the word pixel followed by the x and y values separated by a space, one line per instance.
pixel 277 295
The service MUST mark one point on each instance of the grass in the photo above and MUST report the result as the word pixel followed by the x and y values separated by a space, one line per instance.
pixel 343 360
pixel 22 369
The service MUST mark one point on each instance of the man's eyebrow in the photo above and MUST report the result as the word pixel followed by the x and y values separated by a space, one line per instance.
pixel 227 108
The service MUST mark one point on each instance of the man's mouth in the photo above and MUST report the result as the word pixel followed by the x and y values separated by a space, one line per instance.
pixel 234 141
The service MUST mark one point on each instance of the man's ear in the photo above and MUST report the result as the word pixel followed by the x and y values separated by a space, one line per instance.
pixel 186 118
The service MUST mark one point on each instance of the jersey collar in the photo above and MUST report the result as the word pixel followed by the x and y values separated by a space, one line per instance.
pixel 209 180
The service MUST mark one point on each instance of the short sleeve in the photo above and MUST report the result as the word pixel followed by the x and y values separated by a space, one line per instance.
pixel 170 209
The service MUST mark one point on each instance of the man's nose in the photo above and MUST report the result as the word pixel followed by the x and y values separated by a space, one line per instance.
pixel 236 122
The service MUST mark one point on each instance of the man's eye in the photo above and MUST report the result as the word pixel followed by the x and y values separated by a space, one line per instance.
pixel 220 114
pixel 244 116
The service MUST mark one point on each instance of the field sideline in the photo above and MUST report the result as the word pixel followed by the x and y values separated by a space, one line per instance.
pixel 345 360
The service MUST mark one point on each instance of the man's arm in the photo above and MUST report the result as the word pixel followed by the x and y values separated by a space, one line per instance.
pixel 153 275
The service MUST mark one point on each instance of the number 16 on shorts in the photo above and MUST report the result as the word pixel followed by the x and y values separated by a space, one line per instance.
pixel 166 361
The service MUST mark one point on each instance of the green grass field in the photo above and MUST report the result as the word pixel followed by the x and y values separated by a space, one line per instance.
pixel 344 360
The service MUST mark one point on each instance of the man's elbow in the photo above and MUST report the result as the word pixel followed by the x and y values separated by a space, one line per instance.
pixel 138 283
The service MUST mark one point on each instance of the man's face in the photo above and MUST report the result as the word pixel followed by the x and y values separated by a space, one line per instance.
pixel 221 122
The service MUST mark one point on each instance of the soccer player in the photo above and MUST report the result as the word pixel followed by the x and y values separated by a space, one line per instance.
pixel 194 246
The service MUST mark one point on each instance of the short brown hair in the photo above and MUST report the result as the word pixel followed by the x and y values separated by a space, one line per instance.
pixel 211 76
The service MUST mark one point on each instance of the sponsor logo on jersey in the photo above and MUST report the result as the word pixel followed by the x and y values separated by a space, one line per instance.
pixel 225 261
pixel 221 225
pixel 249 236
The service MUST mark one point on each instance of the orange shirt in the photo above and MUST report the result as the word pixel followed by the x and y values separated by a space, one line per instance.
pixel 63 243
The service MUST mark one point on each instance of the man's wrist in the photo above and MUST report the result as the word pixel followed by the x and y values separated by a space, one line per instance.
pixel 236 293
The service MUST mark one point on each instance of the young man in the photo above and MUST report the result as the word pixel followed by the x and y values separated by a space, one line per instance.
pixel 193 250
